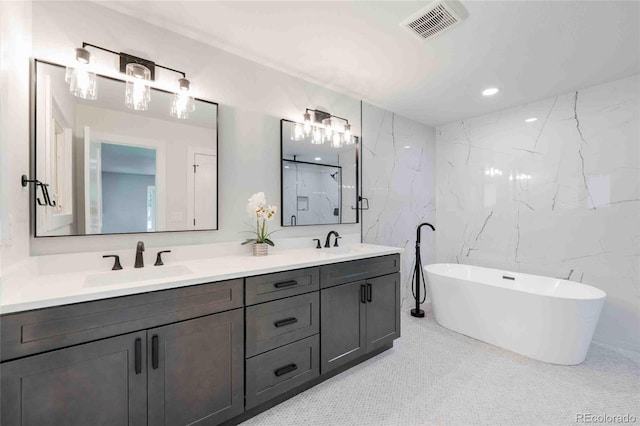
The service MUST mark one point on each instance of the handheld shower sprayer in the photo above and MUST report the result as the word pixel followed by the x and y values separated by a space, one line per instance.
pixel 415 284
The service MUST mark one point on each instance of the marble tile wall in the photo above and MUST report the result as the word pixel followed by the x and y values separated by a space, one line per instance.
pixel 398 175
pixel 559 196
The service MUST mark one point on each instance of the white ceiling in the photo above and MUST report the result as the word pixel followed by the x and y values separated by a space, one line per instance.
pixel 529 49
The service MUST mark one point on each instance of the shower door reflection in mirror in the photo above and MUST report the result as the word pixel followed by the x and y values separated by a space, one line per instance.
pixel 319 181
pixel 112 170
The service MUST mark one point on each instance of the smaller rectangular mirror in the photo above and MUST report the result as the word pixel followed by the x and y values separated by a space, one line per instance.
pixel 319 181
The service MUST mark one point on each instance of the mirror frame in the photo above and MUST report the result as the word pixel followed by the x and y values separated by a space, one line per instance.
pixel 282 160
pixel 33 157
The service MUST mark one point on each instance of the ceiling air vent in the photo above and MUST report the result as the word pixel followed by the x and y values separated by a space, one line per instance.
pixel 435 18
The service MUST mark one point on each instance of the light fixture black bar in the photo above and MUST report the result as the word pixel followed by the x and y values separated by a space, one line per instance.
pixel 327 113
pixel 85 44
pixel 173 70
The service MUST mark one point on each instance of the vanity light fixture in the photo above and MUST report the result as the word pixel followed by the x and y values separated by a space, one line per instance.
pixel 298 132
pixel 318 138
pixel 139 75
pixel 336 142
pixel 347 133
pixel 82 82
pixel 324 127
pixel 328 128
pixel 490 91
pixel 138 91
pixel 531 120
pixel 307 123
pixel 182 103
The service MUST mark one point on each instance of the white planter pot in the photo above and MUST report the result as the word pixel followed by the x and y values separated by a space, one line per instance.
pixel 260 249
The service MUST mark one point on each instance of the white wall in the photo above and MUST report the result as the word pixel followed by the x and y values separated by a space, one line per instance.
pixel 398 173
pixel 252 99
pixel 576 217
pixel 15 47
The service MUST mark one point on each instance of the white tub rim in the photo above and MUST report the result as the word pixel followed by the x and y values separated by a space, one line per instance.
pixel 579 291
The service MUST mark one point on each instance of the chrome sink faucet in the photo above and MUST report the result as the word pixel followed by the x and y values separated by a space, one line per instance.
pixel 139 258
pixel 327 243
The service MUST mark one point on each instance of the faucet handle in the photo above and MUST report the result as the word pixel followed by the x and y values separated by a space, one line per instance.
pixel 317 243
pixel 336 243
pixel 159 257
pixel 116 264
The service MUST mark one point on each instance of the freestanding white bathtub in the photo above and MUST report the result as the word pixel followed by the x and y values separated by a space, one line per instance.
pixel 547 319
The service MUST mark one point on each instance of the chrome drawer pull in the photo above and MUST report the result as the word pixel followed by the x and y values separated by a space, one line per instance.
pixel 286 321
pixel 286 369
pixel 285 284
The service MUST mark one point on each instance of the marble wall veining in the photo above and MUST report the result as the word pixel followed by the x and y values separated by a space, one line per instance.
pixel 398 177
pixel 559 196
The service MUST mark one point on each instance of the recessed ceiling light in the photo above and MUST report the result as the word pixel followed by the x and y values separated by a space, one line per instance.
pixel 531 120
pixel 490 91
pixel 318 159
pixel 407 146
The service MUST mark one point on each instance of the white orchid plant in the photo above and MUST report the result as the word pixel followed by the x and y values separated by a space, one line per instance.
pixel 257 208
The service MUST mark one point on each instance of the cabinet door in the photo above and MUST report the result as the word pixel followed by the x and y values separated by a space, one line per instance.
pixel 383 310
pixel 342 324
pixel 196 370
pixel 99 383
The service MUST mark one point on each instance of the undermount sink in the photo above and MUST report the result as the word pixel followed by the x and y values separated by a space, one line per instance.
pixel 134 275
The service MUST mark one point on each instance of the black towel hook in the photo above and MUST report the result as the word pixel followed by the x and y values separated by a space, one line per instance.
pixel 24 181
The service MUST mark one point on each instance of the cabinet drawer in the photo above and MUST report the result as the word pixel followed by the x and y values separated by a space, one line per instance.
pixel 273 373
pixel 356 270
pixel 277 323
pixel 41 330
pixel 264 288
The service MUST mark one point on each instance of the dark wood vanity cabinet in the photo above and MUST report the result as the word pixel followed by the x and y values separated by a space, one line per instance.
pixel 177 357
pixel 95 383
pixel 361 316
pixel 195 370
pixel 190 372
pixel 185 372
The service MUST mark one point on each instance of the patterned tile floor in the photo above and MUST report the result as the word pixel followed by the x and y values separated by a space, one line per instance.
pixel 434 376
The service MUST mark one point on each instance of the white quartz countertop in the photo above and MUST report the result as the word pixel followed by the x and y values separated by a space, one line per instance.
pixel 27 291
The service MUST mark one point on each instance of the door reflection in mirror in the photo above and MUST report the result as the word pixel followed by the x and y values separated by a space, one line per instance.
pixel 114 170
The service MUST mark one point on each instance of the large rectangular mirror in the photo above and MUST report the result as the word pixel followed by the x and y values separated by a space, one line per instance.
pixel 319 181
pixel 110 169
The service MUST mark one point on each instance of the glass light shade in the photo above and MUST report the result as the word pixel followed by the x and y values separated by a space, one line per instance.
pixel 307 123
pixel 298 132
pixel 336 141
pixel 347 131
pixel 82 82
pixel 182 105
pixel 317 136
pixel 328 128
pixel 348 140
pixel 137 91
